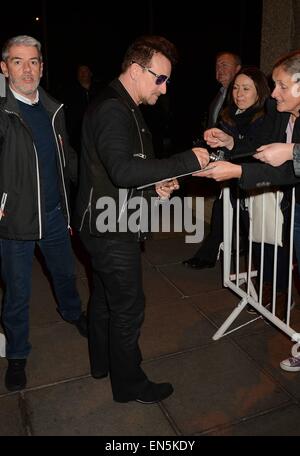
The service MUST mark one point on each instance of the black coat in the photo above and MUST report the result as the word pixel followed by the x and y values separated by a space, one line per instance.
pixel 255 175
pixel 20 175
pixel 117 154
pixel 244 128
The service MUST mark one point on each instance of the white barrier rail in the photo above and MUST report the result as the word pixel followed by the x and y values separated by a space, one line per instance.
pixel 236 280
pixel 2 346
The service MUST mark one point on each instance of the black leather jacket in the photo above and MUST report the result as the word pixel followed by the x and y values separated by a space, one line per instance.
pixel 117 154
pixel 20 178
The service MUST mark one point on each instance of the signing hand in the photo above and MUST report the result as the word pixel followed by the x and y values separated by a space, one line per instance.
pixel 217 138
pixel 221 171
pixel 275 154
pixel 166 188
pixel 202 155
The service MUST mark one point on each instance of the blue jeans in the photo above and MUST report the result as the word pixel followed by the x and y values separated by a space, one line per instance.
pixel 16 266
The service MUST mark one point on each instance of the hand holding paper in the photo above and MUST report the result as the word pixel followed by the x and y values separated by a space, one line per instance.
pixel 275 154
pixel 202 156
pixel 165 189
pixel 220 171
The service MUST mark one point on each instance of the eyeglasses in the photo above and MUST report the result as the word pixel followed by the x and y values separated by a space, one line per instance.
pixel 160 78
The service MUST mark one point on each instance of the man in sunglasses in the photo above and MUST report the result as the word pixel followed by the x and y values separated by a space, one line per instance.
pixel 117 157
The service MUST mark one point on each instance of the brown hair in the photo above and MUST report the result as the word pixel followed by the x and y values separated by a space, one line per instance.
pixel 144 47
pixel 262 88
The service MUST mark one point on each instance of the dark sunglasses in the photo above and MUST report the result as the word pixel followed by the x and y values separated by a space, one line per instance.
pixel 160 78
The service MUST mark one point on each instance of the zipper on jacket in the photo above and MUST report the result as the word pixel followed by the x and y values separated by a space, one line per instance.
pixel 88 209
pixel 37 170
pixel 61 167
pixel 62 149
pixel 141 154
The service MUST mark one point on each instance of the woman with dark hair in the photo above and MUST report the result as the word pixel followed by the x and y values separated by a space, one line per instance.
pixel 242 118
pixel 282 125
pixel 245 110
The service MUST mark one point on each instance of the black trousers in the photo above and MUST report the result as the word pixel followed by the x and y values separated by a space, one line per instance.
pixel 116 313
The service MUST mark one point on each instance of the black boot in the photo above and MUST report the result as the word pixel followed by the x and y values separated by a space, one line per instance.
pixel 15 377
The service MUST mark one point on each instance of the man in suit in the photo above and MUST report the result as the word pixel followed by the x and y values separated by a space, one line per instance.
pixel 227 66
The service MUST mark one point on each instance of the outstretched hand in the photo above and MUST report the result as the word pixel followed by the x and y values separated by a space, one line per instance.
pixel 275 154
pixel 221 171
pixel 166 188
pixel 217 138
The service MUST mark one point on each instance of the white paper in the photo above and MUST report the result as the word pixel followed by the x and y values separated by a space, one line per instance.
pixel 174 177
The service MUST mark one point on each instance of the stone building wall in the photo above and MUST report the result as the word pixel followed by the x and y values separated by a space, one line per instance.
pixel 280 30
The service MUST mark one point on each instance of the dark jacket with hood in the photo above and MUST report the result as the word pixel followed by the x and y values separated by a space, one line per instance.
pixel 117 157
pixel 20 179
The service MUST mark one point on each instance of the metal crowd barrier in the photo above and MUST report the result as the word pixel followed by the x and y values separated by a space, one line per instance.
pixel 242 283
pixel 2 345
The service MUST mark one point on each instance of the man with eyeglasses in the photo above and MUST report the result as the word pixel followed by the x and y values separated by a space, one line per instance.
pixel 160 78
pixel 117 157
pixel 227 66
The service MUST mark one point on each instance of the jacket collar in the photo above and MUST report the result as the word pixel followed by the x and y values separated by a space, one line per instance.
pixel 120 89
pixel 11 104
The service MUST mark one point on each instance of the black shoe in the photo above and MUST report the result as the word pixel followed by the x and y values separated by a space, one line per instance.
pixel 98 374
pixel 198 263
pixel 151 394
pixel 81 324
pixel 155 392
pixel 15 377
